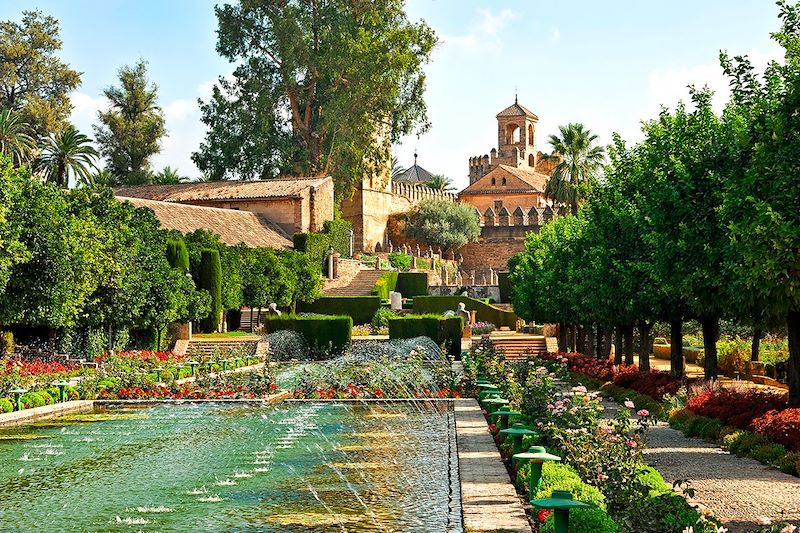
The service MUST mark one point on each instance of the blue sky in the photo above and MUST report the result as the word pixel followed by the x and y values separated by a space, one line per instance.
pixel 606 64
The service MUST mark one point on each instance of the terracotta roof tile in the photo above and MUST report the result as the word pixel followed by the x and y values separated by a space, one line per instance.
pixel 517 110
pixel 231 225
pixel 534 181
pixel 222 190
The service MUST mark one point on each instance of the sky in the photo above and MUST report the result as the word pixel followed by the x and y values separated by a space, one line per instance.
pixel 608 65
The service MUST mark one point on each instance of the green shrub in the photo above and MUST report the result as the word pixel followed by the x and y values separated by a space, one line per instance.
pixel 45 396
pixel 315 246
pixel 725 431
pixel 360 308
pixel 443 331
pixel 558 476
pixel 592 520
pixel 412 284
pixel 381 318
pixel 650 477
pixel 325 336
pixel 400 261
pixel 679 418
pixel 711 429
pixel 768 453
pixel 211 281
pixel 788 464
pixel 745 443
pixel 385 284
pixel 33 399
pixel 703 427
pixel 178 254
pixel 339 235
pixel 485 312
pixel 731 440
pixel 6 406
pixel 6 342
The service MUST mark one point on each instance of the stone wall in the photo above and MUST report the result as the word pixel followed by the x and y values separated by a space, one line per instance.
pixel 369 210
pixel 321 205
pixel 285 212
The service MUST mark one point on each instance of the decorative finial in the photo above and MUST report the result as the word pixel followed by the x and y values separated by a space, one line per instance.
pixel 515 95
pixel 415 157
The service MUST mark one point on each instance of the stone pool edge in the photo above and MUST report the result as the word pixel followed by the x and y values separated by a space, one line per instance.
pixel 489 500
pixel 26 416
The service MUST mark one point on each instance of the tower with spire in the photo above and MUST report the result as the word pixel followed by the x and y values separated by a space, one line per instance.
pixel 516 142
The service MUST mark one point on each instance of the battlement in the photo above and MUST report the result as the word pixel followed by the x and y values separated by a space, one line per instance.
pixel 420 192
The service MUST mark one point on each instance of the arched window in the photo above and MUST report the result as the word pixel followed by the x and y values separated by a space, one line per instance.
pixel 494 181
pixel 530 134
pixel 504 181
pixel 512 134
pixel 531 161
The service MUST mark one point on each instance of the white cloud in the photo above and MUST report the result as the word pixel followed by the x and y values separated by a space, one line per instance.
pixel 555 35
pixel 483 34
pixel 84 110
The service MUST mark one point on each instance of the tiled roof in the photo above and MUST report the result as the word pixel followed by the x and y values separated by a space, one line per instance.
pixel 231 225
pixel 517 110
pixel 414 174
pixel 533 181
pixel 222 190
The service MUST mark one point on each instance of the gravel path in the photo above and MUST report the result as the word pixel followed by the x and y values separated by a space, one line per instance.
pixel 739 491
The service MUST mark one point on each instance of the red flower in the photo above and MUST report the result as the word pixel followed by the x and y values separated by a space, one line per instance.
pixel 543 514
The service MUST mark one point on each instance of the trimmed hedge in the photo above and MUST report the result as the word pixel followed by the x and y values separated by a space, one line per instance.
pixel 360 308
pixel 485 312
pixel 325 336
pixel 339 235
pixel 411 284
pixel 385 284
pixel 178 255
pixel 211 280
pixel 443 331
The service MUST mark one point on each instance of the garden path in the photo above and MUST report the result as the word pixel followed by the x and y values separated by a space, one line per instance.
pixel 739 491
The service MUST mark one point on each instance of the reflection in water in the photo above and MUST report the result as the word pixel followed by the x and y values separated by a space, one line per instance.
pixel 307 466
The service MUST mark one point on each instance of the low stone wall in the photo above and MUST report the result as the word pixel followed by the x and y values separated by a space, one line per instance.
pixel 489 501
pixel 27 416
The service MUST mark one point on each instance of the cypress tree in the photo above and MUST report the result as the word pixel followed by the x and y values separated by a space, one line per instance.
pixel 178 255
pixel 211 280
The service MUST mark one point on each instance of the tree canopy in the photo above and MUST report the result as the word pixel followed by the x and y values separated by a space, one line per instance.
pixel 320 87
pixel 130 131
pixel 33 81
pixel 443 223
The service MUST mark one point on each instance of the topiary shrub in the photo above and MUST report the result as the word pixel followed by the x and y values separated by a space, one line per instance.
pixel 484 311
pixel 412 284
pixel 325 336
pixel 211 281
pixel 339 231
pixel 6 406
pixel 178 255
pixel 315 246
pixel 385 284
pixel 360 308
pixel 33 400
pixel 400 261
pixel 443 331
pixel 650 477
pixel 591 519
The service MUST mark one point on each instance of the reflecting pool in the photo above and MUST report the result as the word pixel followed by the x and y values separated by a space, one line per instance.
pixel 298 466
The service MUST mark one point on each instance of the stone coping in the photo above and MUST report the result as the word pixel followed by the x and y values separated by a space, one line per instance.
pixel 26 416
pixel 488 498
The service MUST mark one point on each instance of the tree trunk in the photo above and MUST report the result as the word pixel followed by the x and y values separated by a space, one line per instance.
pixel 793 326
pixel 579 340
pixel 710 337
pixel 676 349
pixel 590 341
pixel 601 339
pixel 607 346
pixel 627 338
pixel 573 333
pixel 618 345
pixel 644 346
pixel 756 345
pixel 562 337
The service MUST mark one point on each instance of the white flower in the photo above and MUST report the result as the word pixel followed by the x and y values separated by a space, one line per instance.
pixel 629 405
pixel 688 529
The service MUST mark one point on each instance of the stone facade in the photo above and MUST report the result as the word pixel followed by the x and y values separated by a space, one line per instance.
pixel 373 204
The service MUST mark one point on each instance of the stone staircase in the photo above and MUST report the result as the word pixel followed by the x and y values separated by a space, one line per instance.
pixel 202 349
pixel 361 285
pixel 516 346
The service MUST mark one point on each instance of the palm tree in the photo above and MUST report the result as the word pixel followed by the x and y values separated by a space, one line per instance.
pixel 440 183
pixel 396 168
pixel 580 161
pixel 169 176
pixel 14 138
pixel 68 153
pixel 107 178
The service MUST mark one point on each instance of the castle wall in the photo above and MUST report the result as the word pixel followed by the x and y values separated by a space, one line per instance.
pixel 511 201
pixel 288 213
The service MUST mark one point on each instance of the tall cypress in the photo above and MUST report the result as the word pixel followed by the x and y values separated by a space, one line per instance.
pixel 178 255
pixel 211 280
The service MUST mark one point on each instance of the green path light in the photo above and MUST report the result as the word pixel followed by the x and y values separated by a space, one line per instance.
pixel 517 431
pixel 483 395
pixel 158 370
pixel 502 416
pixel 178 369
pixel 62 390
pixel 211 364
pixel 536 456
pixel 225 365
pixel 486 385
pixel 493 403
pixel 560 502
pixel 18 392
pixel 193 365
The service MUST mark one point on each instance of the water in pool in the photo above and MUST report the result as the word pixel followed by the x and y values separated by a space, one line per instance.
pixel 304 466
